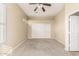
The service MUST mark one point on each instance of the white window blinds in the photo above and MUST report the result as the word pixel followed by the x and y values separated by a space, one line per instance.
pixel 2 22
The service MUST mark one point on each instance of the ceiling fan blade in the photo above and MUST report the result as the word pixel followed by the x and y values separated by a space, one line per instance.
pixel 43 9
pixel 35 8
pixel 46 4
pixel 32 3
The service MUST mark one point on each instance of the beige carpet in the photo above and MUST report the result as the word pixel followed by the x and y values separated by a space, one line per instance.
pixel 40 47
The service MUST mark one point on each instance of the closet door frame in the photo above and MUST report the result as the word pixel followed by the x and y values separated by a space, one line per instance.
pixel 67 29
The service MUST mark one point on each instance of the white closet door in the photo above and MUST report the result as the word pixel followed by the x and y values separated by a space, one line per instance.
pixel 2 22
pixel 74 33
pixel 41 31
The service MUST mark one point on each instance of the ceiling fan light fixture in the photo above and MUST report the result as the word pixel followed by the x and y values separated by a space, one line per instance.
pixel 40 6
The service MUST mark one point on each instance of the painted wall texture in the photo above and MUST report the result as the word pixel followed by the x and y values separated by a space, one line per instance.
pixel 16 28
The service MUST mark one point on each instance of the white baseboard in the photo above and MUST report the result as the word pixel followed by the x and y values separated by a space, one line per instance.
pixel 66 49
pixel 21 42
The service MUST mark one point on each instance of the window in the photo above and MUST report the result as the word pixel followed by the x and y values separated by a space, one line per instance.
pixel 2 23
pixel 41 31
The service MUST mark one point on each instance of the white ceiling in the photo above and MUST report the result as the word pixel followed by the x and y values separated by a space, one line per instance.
pixel 50 11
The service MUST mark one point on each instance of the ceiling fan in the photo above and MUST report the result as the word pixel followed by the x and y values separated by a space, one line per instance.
pixel 39 5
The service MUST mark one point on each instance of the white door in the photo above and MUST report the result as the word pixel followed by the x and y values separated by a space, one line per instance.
pixel 74 33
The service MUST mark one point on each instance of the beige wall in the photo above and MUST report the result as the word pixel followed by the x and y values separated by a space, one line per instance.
pixel 38 20
pixel 60 27
pixel 16 28
pixel 71 7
